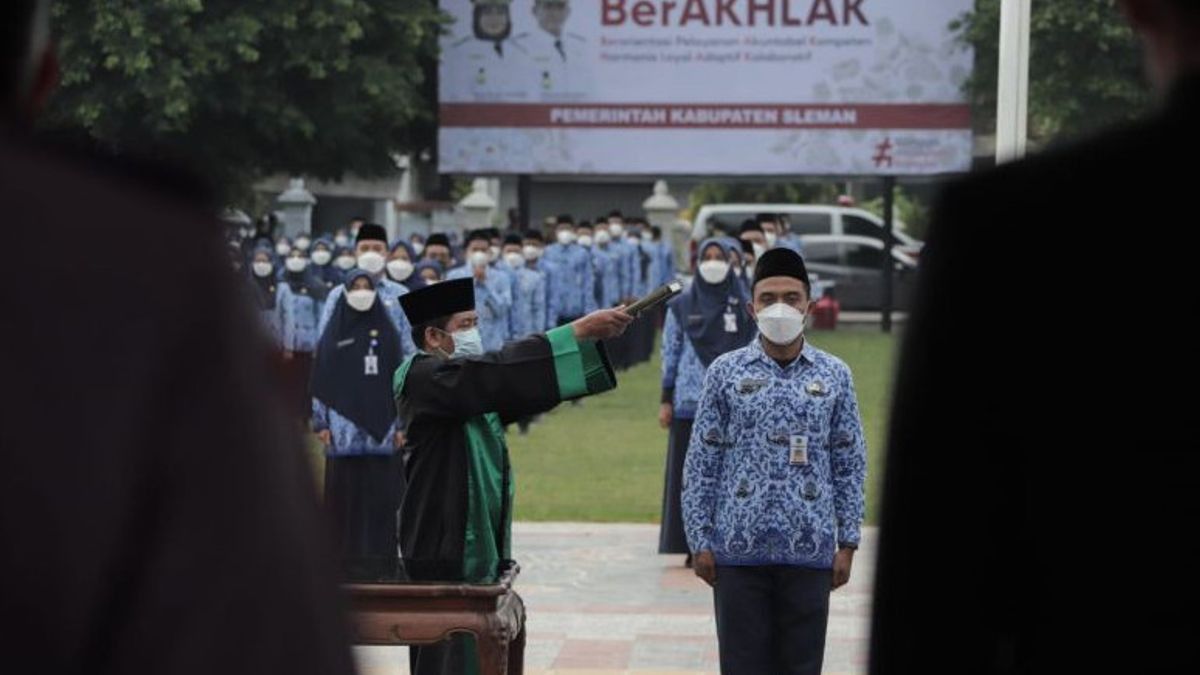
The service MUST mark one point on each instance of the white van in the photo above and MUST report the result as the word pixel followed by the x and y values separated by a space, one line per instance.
pixel 803 220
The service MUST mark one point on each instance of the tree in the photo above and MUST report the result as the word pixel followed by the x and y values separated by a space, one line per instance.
pixel 1085 67
pixel 242 89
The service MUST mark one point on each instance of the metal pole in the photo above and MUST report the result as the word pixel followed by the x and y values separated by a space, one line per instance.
pixel 524 197
pixel 1012 95
pixel 888 268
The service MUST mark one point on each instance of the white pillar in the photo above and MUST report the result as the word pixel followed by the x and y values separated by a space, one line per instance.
pixel 479 206
pixel 295 208
pixel 1012 96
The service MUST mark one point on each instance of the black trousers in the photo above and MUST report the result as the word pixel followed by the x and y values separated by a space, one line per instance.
pixel 772 620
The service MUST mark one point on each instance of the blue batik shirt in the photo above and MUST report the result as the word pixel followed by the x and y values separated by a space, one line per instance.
pixel 493 302
pixel 682 370
pixel 745 497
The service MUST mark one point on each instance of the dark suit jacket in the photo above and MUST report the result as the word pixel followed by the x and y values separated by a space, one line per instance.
pixel 156 512
pixel 1040 465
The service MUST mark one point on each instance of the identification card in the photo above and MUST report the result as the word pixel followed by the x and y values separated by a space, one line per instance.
pixel 371 364
pixel 799 450
pixel 731 323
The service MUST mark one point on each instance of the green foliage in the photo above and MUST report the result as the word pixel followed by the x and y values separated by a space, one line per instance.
pixel 243 89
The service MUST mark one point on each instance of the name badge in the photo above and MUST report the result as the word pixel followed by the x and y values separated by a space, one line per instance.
pixel 731 323
pixel 799 450
pixel 371 365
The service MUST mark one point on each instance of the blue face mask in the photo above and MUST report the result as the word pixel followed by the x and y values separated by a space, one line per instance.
pixel 467 343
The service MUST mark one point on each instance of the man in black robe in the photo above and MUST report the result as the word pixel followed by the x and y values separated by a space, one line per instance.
pixel 456 519
pixel 156 511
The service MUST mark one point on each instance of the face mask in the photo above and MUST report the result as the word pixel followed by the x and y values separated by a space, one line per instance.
pixel 737 272
pixel 781 324
pixel 262 269
pixel 603 238
pixel 418 248
pixel 303 244
pixel 633 241
pixel 647 237
pixel 493 254
pixel 361 300
pixel 400 270
pixel 616 231
pixel 346 262
pixel 322 258
pixel 341 240
pixel 478 259
pixel 759 250
pixel 566 237
pixel 772 238
pixel 467 343
pixel 371 262
pixel 749 270
pixel 295 264
pixel 514 260
pixel 531 253
pixel 585 241
pixel 714 271
pixel 282 248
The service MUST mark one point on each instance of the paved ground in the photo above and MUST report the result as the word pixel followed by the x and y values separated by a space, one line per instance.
pixel 601 602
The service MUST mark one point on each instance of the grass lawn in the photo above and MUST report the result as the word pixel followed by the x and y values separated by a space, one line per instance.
pixel 603 461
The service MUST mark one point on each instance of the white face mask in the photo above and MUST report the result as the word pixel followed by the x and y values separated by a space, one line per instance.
pixel 633 241
pixel 478 259
pixel 361 300
pixel 262 269
pixel 616 230
pixel 493 254
pixel 346 262
pixel 418 248
pixel 322 257
pixel 303 244
pixel 467 343
pixel 647 237
pixel 781 324
pixel 341 240
pixel 759 250
pixel 282 248
pixel 514 260
pixel 531 253
pixel 772 239
pixel 371 262
pixel 714 271
pixel 566 237
pixel 399 269
pixel 749 270
pixel 295 264
pixel 585 241
pixel 603 237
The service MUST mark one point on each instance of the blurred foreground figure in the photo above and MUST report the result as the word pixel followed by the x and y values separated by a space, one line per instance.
pixel 156 514
pixel 1041 462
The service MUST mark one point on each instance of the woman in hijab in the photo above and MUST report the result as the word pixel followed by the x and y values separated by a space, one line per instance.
pixel 401 266
pixel 299 302
pixel 354 415
pixel 266 288
pixel 709 319
pixel 430 271
pixel 344 261
pixel 322 266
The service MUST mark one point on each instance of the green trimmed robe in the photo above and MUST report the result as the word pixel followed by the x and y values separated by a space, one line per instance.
pixel 456 518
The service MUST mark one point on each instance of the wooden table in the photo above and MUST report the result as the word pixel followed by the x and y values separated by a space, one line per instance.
pixel 418 614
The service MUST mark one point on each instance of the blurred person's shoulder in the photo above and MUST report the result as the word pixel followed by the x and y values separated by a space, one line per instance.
pixel 107 224
pixel 1132 164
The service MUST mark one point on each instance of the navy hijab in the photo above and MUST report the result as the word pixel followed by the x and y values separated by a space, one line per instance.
pixel 702 308
pixel 414 280
pixel 340 378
